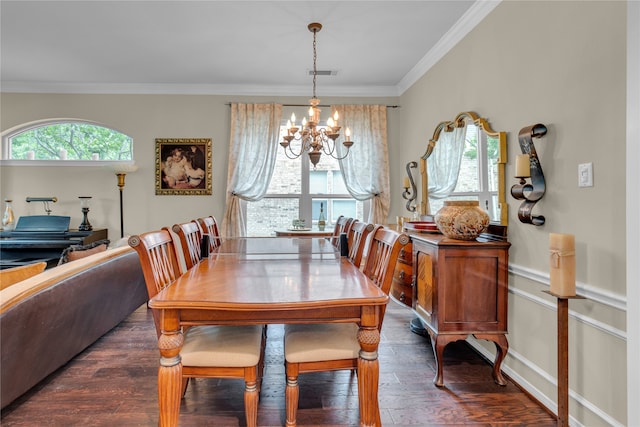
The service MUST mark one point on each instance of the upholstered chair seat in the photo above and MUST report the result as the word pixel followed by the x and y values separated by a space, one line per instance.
pixel 235 347
pixel 326 341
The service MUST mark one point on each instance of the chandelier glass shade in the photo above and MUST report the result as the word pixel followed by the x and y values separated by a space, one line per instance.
pixel 310 137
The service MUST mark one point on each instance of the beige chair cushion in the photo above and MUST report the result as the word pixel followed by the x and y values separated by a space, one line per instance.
pixel 9 276
pixel 318 342
pixel 232 346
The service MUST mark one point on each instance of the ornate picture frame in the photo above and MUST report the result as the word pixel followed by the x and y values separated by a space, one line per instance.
pixel 183 166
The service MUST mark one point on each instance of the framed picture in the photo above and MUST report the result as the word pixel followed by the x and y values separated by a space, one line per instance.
pixel 183 166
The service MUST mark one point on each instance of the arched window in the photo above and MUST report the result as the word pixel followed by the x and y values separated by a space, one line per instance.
pixel 66 140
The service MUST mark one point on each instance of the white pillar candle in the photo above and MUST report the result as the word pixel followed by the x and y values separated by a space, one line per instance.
pixel 523 169
pixel 95 156
pixel 31 155
pixel 63 154
pixel 562 260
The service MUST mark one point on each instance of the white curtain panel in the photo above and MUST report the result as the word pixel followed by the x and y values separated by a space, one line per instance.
pixel 253 146
pixel 366 168
pixel 443 165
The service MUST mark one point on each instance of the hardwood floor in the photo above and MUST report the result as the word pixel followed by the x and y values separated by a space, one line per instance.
pixel 113 383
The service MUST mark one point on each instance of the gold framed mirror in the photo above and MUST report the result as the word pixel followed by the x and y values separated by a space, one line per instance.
pixel 469 164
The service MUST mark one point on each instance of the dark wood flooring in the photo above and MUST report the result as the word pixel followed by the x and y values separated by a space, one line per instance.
pixel 113 383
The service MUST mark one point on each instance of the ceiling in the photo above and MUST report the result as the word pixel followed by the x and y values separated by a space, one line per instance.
pixel 376 48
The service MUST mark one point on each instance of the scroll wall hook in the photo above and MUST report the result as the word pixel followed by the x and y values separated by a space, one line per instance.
pixel 410 191
pixel 532 192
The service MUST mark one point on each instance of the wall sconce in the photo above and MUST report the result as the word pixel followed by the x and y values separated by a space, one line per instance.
pixel 528 166
pixel 84 205
pixel 45 201
pixel 410 191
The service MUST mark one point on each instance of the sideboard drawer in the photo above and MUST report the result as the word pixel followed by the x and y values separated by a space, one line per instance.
pixel 402 285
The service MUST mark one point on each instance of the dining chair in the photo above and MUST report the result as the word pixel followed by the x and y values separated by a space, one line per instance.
pixel 190 238
pixel 208 351
pixel 209 226
pixel 343 225
pixel 334 346
pixel 357 240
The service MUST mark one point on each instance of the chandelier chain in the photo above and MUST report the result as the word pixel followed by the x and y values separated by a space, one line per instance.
pixel 315 57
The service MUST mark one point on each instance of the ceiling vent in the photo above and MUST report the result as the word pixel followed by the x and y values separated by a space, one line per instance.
pixel 324 72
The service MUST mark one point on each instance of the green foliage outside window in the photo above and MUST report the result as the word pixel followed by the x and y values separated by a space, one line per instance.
pixel 471 145
pixel 81 141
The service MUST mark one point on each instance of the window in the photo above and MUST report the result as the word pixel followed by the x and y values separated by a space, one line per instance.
pixel 478 177
pixel 297 191
pixel 68 140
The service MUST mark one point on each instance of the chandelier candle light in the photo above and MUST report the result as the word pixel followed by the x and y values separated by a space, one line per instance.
pixel 314 140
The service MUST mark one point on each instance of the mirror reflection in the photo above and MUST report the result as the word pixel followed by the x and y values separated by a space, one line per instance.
pixel 465 160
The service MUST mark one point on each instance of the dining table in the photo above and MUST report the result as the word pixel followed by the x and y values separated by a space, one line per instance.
pixel 273 280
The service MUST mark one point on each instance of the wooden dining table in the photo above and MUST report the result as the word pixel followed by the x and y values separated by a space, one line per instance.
pixel 261 281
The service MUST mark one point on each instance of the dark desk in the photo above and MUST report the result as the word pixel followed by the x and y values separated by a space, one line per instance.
pixel 15 251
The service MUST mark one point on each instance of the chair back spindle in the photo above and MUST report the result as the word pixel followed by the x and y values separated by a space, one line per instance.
pixel 357 240
pixel 343 225
pixel 384 250
pixel 190 237
pixel 209 226
pixel 159 262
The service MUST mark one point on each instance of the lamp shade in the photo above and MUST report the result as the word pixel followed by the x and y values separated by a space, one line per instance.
pixel 123 167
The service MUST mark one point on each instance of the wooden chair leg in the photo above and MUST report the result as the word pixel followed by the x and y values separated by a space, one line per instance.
pixel 292 393
pixel 185 383
pixel 251 403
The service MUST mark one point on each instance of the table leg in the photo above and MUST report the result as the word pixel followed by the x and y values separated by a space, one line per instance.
pixel 170 378
pixel 368 376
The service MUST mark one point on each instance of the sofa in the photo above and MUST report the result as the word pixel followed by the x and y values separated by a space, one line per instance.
pixel 49 318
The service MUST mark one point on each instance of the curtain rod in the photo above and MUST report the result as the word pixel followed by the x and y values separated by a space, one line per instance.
pixel 321 105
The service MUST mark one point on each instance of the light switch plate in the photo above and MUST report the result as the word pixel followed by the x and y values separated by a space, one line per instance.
pixel 585 175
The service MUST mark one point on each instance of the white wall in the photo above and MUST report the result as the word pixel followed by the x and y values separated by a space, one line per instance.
pixel 561 64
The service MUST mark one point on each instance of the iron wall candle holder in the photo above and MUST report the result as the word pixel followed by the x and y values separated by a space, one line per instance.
pixel 410 191
pixel 530 192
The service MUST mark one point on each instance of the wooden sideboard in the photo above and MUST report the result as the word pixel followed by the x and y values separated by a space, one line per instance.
pixel 461 289
pixel 458 288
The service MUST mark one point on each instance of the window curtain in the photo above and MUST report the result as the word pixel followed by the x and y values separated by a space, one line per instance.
pixel 253 146
pixel 443 165
pixel 366 168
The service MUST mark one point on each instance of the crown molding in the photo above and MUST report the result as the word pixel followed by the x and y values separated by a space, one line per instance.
pixel 194 89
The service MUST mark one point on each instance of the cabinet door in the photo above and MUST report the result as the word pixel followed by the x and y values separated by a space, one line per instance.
pixel 425 285
pixel 471 298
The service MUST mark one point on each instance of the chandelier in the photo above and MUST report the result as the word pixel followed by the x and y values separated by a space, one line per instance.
pixel 313 139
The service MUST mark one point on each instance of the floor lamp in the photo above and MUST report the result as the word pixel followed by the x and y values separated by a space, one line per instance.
pixel 121 170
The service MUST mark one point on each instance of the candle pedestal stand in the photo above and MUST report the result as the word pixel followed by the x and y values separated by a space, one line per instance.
pixel 563 357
